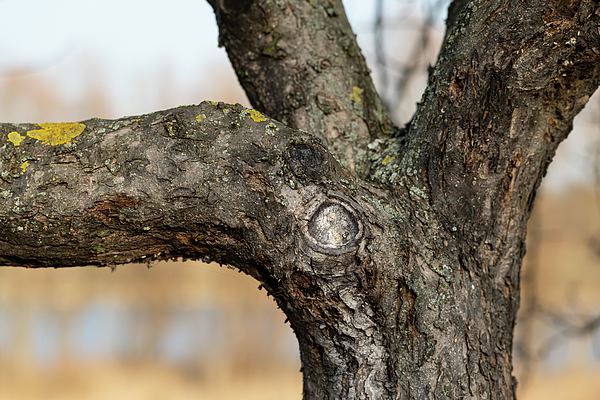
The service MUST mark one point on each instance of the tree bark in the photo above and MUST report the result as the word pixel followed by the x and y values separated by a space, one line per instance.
pixel 299 63
pixel 395 253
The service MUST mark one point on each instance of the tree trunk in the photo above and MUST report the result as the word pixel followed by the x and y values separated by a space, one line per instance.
pixel 395 253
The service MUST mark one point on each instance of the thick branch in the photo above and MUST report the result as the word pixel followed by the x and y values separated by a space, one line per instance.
pixel 188 182
pixel 509 81
pixel 299 63
pixel 507 85
pixel 214 181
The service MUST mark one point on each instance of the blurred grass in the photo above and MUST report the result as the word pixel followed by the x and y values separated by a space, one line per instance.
pixel 562 234
pixel 560 292
pixel 254 363
pixel 144 381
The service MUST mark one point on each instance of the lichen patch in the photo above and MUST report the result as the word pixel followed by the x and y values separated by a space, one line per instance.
pixel 356 92
pixel 387 160
pixel 15 138
pixel 53 134
pixel 256 116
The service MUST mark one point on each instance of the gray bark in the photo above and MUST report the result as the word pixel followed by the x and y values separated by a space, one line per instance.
pixel 395 253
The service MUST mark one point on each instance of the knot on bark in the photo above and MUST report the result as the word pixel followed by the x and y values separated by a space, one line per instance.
pixel 332 226
pixel 307 162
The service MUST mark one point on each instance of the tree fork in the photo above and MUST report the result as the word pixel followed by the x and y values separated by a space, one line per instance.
pixel 214 181
pixel 395 255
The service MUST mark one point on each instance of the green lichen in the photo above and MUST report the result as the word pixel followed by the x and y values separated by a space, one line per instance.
pixel 444 271
pixel 271 49
pixel 418 192
pixel 389 210
pixel 98 250
pixel 122 123
pixel 382 153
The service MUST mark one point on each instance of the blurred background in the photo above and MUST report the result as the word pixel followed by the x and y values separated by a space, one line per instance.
pixel 184 330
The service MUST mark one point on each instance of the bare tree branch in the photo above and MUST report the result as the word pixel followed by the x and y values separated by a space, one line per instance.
pixel 299 63
pixel 184 182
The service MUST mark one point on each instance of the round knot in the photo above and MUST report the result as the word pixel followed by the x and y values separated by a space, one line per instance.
pixel 332 227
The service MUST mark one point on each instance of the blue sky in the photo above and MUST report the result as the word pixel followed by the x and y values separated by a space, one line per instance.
pixel 125 44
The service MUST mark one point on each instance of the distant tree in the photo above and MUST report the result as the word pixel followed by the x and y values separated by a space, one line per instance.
pixel 394 252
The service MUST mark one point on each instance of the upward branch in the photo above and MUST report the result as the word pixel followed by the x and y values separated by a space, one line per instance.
pixel 509 80
pixel 299 63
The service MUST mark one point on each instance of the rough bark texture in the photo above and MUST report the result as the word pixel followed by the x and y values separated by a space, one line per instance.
pixel 398 266
pixel 299 63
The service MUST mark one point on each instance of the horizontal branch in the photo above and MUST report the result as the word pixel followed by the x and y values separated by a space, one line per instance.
pixel 196 181
pixel 223 183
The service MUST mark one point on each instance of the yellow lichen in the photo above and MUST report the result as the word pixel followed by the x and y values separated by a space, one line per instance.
pixel 24 166
pixel 15 138
pixel 214 103
pixel 200 117
pixel 57 133
pixel 387 160
pixel 256 116
pixel 356 92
